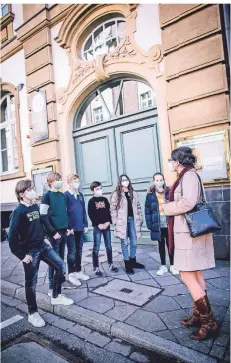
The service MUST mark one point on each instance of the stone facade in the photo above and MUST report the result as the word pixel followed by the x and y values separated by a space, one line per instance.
pixel 179 50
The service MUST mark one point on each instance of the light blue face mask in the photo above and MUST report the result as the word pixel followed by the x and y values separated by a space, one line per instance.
pixel 159 184
pixel 58 184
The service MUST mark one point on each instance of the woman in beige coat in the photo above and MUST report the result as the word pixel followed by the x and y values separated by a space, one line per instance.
pixel 191 255
pixel 127 220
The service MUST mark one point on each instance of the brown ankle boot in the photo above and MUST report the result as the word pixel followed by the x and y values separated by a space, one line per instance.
pixel 193 320
pixel 209 328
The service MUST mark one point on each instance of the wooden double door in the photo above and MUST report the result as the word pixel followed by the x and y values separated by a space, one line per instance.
pixel 126 145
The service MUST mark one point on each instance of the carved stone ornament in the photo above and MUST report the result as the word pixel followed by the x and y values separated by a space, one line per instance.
pixel 127 51
pixel 124 51
pixel 81 69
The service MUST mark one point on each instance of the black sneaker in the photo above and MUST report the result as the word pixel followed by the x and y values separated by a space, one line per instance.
pixel 112 268
pixel 97 272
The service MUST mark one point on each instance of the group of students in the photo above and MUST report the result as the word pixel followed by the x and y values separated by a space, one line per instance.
pixel 40 233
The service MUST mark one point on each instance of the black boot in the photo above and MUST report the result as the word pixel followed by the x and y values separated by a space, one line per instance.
pixel 135 264
pixel 128 267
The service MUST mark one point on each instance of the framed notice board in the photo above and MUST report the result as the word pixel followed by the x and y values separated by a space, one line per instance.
pixel 39 177
pixel 212 153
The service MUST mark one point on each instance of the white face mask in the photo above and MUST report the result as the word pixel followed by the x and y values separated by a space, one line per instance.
pixel 30 194
pixel 99 193
pixel 75 186
pixel 125 183
pixel 170 166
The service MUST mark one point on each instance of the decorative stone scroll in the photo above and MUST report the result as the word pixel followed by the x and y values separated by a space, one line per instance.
pixel 126 52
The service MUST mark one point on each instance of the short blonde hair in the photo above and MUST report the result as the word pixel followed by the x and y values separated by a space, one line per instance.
pixel 72 177
pixel 53 177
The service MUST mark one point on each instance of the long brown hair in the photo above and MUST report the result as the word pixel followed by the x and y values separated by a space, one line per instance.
pixel 119 190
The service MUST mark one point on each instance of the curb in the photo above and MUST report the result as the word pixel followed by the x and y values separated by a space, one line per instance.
pixel 108 325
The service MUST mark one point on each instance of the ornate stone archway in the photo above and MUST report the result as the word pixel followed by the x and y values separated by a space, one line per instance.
pixel 128 59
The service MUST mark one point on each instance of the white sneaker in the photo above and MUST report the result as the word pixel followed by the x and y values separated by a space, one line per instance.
pixel 61 300
pixel 49 292
pixel 162 270
pixel 73 279
pixel 173 270
pixel 81 276
pixel 36 320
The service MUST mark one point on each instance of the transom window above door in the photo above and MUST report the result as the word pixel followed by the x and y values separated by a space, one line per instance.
pixel 115 99
pixel 104 38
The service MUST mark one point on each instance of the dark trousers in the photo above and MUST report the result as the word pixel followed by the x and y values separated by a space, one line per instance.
pixel 97 233
pixel 162 243
pixel 59 247
pixel 47 254
pixel 74 252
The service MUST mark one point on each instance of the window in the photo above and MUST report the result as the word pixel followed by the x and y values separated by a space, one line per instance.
pixel 146 100
pixel 98 115
pixel 4 9
pixel 104 38
pixel 9 162
pixel 114 99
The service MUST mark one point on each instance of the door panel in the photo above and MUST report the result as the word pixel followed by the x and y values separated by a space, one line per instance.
pixel 138 157
pixel 96 159
pixel 137 151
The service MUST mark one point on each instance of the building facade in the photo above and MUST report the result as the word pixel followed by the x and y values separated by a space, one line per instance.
pixel 103 90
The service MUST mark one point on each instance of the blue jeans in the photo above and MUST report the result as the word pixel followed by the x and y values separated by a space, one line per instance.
pixel 47 254
pixel 59 247
pixel 131 233
pixel 97 233
pixel 74 252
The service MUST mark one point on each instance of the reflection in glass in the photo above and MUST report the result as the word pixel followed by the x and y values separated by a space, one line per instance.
pixel 114 99
pixel 104 39
pixel 9 154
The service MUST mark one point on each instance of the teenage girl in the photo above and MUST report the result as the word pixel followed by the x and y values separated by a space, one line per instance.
pixel 157 222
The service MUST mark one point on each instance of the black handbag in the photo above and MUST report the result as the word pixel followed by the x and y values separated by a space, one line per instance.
pixel 201 219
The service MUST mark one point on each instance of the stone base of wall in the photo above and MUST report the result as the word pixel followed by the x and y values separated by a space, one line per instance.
pixel 219 200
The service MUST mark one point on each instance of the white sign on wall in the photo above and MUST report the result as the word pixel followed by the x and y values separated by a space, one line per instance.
pixel 39 116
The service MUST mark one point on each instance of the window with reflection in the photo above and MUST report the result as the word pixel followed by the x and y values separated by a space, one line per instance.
pixel 9 162
pixel 5 8
pixel 114 99
pixel 104 39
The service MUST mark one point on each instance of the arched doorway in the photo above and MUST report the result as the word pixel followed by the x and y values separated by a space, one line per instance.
pixel 115 131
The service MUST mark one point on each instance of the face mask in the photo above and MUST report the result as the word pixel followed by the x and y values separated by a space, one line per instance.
pixel 170 166
pixel 99 193
pixel 75 186
pixel 58 184
pixel 125 183
pixel 159 184
pixel 30 194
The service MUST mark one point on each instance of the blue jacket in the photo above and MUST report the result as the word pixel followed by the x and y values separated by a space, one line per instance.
pixel 152 215
pixel 76 211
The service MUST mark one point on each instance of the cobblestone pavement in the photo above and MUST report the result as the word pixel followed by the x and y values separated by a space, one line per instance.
pixel 131 304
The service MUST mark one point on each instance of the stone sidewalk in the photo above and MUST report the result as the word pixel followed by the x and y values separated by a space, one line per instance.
pixel 142 309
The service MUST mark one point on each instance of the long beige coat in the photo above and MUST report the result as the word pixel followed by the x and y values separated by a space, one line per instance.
pixel 120 216
pixel 191 254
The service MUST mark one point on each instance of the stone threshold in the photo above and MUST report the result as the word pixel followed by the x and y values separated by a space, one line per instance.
pixel 104 324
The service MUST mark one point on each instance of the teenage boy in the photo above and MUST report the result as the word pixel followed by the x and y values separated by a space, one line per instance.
pixel 99 214
pixel 27 242
pixel 54 216
pixel 78 221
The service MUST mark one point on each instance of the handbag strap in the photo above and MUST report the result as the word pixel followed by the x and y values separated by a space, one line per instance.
pixel 202 192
